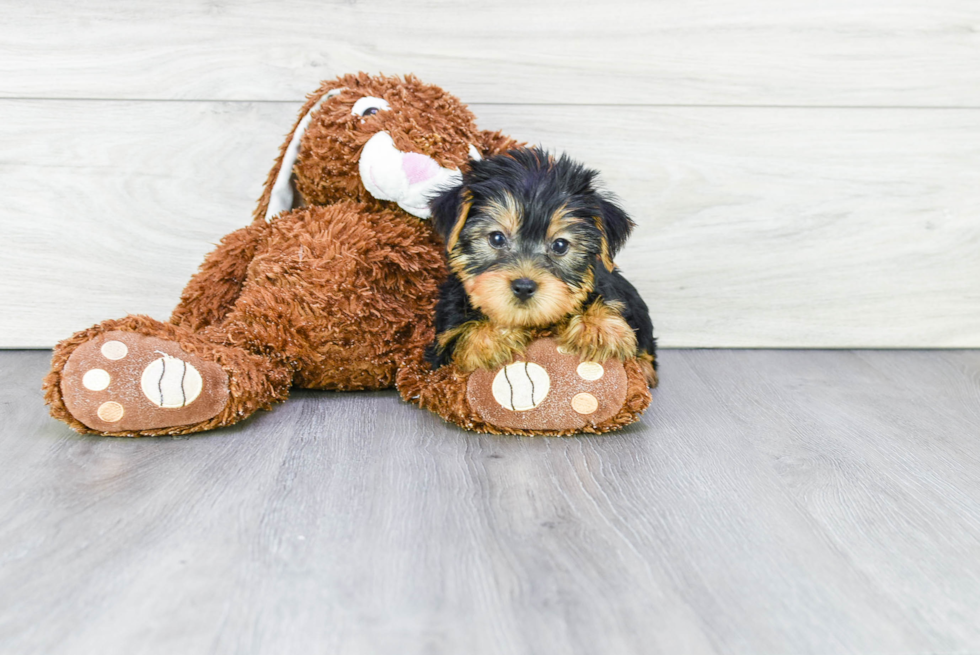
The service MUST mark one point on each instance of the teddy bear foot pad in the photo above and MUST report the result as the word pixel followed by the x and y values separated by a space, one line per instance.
pixel 126 381
pixel 548 389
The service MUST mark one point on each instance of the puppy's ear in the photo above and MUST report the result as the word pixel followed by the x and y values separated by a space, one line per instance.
pixel 449 211
pixel 616 226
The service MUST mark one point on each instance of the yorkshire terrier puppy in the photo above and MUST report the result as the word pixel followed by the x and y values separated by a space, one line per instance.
pixel 531 241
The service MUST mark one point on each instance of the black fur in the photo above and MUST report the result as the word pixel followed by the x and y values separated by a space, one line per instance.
pixel 616 224
pixel 452 310
pixel 541 185
pixel 445 210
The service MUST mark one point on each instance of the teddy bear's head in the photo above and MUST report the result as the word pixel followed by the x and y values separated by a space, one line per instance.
pixel 378 140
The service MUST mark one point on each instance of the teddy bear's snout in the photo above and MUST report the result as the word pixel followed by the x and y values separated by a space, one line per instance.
pixel 407 178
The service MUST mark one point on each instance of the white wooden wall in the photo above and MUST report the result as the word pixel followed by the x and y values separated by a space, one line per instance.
pixel 803 173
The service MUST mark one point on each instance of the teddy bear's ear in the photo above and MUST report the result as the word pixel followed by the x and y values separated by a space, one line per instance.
pixel 616 226
pixel 278 195
pixel 495 143
pixel 449 211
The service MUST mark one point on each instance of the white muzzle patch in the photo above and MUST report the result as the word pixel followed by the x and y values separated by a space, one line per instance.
pixel 407 178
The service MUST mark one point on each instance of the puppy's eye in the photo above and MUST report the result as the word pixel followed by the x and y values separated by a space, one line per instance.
pixel 497 239
pixel 369 106
pixel 559 246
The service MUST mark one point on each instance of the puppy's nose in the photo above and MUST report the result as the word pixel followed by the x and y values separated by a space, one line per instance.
pixel 524 287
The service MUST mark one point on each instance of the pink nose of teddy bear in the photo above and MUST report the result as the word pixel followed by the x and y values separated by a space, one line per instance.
pixel 418 168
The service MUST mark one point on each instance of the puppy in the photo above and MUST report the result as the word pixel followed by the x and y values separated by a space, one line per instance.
pixel 531 242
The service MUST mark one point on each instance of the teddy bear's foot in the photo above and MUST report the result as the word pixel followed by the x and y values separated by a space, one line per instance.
pixel 548 390
pixel 129 382
pixel 545 391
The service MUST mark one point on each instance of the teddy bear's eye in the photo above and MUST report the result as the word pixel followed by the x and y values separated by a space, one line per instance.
pixel 368 106
pixel 559 246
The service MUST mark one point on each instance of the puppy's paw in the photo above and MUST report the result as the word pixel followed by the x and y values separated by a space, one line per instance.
pixel 599 333
pixel 480 344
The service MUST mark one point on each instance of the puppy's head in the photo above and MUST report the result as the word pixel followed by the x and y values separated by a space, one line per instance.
pixel 525 231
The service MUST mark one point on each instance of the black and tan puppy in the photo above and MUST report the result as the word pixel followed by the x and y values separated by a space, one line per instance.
pixel 531 243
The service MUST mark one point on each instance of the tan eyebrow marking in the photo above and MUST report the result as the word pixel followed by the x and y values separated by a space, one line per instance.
pixel 505 212
pixel 560 220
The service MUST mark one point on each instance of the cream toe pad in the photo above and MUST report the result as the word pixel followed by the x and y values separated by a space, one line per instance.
pixel 590 371
pixel 170 382
pixel 111 412
pixel 114 350
pixel 521 386
pixel 96 379
pixel 585 403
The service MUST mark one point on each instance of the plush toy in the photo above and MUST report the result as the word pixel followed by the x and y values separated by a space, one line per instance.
pixel 332 286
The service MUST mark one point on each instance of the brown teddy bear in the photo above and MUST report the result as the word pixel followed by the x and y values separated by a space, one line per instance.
pixel 332 286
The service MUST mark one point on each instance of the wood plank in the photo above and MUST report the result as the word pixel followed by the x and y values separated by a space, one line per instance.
pixel 792 502
pixel 757 227
pixel 761 52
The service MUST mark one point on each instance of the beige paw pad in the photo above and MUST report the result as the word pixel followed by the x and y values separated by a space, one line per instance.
pixel 521 386
pixel 114 350
pixel 171 382
pixel 96 379
pixel 590 371
pixel 585 403
pixel 111 412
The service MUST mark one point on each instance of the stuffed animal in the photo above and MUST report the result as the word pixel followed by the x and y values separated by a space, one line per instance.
pixel 332 286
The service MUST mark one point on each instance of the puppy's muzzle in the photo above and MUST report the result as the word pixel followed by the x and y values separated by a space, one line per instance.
pixel 523 288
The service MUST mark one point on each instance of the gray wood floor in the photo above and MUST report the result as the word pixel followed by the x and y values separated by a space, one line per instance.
pixel 770 502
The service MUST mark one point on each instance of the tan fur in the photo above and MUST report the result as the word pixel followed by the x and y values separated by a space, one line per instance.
pixel 464 212
pixel 506 214
pixel 599 333
pixel 481 344
pixel 558 222
pixel 491 292
pixel 605 256
pixel 645 360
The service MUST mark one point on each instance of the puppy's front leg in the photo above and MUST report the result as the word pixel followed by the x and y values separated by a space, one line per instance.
pixel 599 332
pixel 481 344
